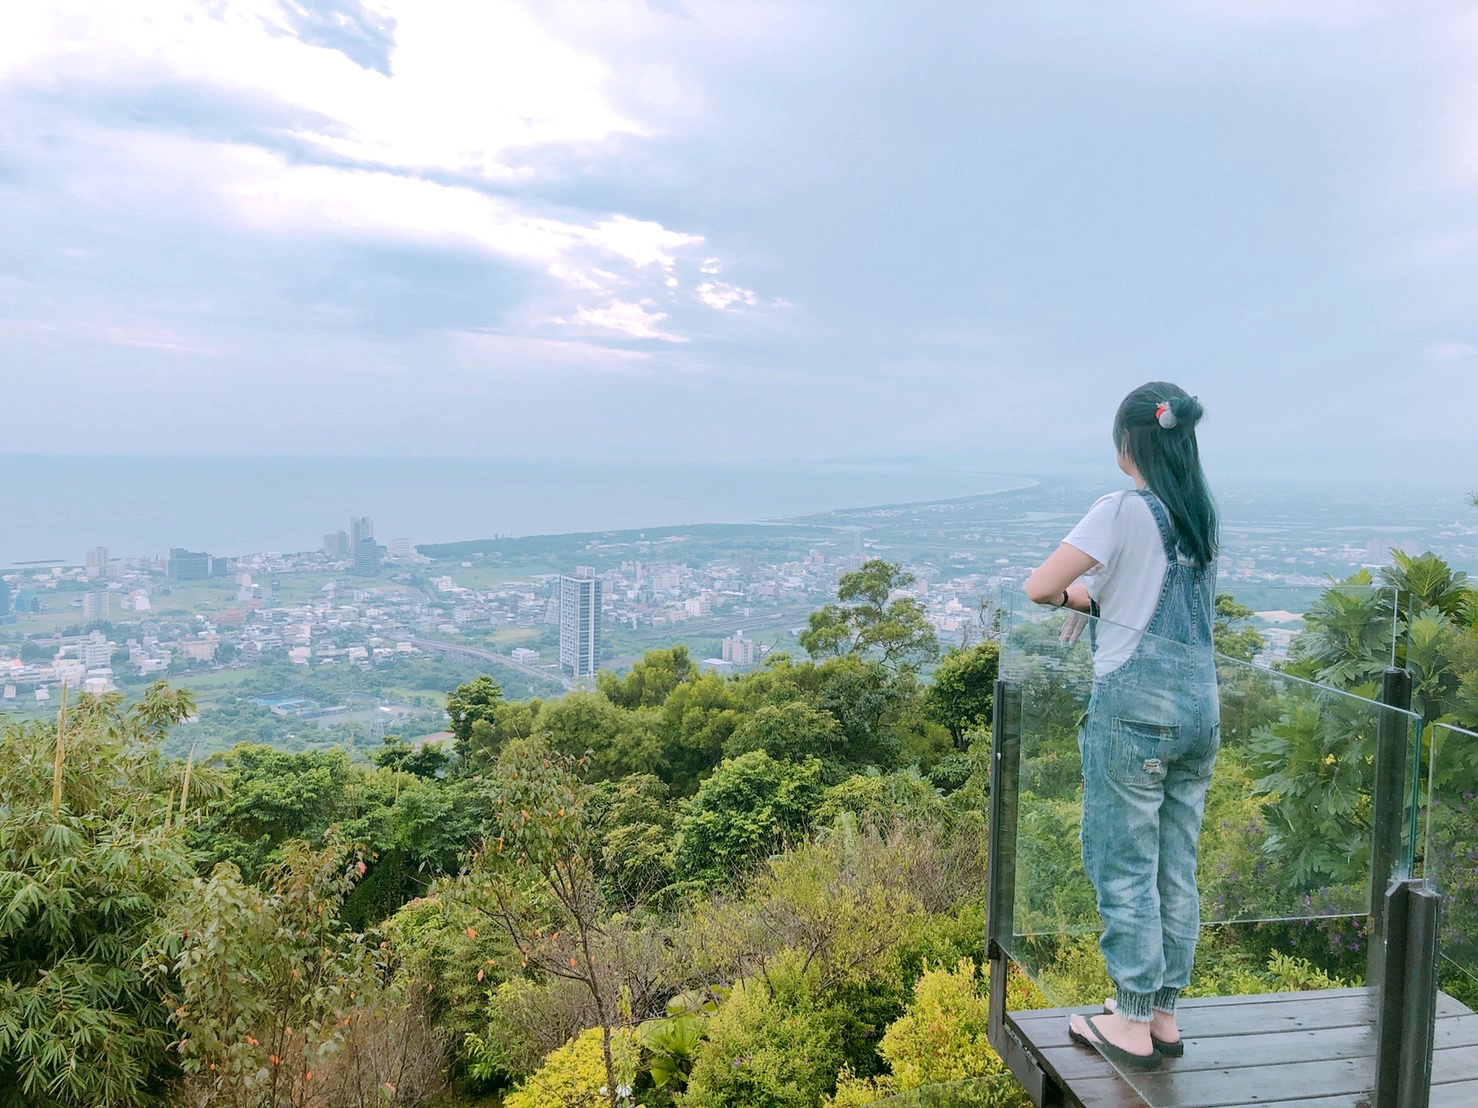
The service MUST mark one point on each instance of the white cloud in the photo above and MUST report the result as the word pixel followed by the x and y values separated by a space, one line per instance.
pixel 641 242
pixel 524 354
pixel 1323 13
pixel 709 266
pixel 155 339
pixel 629 319
pixel 470 83
pixel 721 297
pixel 576 278
pixel 1451 351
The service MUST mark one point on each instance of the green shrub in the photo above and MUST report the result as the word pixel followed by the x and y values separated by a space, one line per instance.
pixel 451 951
pixel 942 1037
pixel 263 982
pixel 574 1074
pixel 771 1044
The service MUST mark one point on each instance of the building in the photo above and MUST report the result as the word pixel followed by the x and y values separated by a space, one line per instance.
pixel 6 614
pixel 524 656
pixel 403 548
pixel 95 604
pixel 739 650
pixel 579 623
pixel 97 563
pixel 360 528
pixel 336 544
pixel 96 651
pixel 366 558
pixel 189 565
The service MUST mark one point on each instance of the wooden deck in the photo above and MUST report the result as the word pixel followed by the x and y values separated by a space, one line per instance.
pixel 1295 1050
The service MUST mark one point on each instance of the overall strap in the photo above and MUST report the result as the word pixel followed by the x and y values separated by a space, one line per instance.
pixel 1162 521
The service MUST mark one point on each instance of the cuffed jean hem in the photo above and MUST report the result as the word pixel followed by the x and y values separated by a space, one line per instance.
pixel 1164 1000
pixel 1134 1007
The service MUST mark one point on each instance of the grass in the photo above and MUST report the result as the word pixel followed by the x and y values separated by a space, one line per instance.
pixel 487 575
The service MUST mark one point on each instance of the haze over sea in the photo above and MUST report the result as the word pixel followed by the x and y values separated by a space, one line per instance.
pixel 58 507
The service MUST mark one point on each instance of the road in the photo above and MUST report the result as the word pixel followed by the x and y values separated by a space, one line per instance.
pixel 490 656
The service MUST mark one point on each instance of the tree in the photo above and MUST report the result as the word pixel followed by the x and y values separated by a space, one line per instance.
pixel 651 680
pixel 1229 634
pixel 473 711
pixel 743 812
pixel 428 760
pixel 790 732
pixel 1347 633
pixel 34 652
pixel 868 623
pixel 539 877
pixel 615 741
pixel 697 719
pixel 258 982
pixel 1426 581
pixel 90 855
pixel 962 689
pixel 274 797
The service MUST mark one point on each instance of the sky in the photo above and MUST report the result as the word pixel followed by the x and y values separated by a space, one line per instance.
pixel 740 229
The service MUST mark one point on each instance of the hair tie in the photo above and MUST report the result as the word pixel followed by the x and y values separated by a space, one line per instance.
pixel 1165 416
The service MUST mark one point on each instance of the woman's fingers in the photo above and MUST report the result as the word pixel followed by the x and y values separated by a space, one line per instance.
pixel 1073 626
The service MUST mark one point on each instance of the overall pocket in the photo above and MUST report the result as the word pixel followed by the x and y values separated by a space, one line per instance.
pixel 1138 752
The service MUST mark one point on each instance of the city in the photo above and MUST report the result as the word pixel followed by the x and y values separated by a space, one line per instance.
pixel 544 614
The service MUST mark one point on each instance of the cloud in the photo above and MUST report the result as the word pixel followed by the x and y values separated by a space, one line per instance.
pixel 629 319
pixel 522 354
pixel 161 339
pixel 363 36
pixel 1320 13
pixel 1451 351
pixel 641 242
pixel 721 297
pixel 423 84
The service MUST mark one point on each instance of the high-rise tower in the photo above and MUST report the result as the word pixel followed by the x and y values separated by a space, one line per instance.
pixel 362 546
pixel 579 623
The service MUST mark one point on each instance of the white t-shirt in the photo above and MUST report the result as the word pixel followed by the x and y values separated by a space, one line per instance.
pixel 1120 534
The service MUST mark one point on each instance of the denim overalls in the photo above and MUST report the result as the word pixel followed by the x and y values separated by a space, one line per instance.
pixel 1148 744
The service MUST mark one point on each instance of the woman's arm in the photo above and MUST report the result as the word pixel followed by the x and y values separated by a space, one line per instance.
pixel 1058 574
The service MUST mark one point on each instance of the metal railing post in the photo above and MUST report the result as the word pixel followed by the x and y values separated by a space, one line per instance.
pixel 1388 808
pixel 1406 1025
pixel 1000 877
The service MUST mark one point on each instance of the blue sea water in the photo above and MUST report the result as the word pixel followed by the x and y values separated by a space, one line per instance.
pixel 60 507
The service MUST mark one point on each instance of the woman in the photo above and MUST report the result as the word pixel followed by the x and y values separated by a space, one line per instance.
pixel 1145 561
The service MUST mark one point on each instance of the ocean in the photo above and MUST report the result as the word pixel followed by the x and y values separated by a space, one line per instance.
pixel 59 507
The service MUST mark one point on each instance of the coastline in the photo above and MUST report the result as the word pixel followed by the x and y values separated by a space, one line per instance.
pixel 59 508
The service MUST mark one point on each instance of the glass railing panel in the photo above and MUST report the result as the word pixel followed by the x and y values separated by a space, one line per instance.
pixel 1449 857
pixel 1346 633
pixel 1287 856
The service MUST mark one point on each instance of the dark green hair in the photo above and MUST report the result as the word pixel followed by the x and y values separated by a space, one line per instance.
pixel 1170 461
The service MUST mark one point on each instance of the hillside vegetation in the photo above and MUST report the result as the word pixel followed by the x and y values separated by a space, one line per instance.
pixel 676 889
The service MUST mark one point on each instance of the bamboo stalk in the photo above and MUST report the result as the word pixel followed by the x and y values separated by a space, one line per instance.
pixel 56 771
pixel 185 789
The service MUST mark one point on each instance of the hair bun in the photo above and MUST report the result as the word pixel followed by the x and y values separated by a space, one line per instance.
pixel 1187 409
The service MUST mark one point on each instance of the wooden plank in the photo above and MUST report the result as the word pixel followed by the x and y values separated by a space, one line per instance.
pixel 1446 1005
pixel 1288 1012
pixel 1170 1087
pixel 1277 1048
pixel 1455 1094
pixel 1287 1049
pixel 1455 1064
